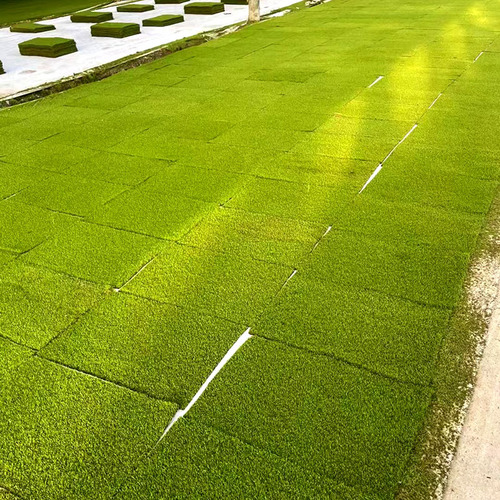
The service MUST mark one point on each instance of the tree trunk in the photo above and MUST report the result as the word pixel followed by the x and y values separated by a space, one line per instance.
pixel 253 11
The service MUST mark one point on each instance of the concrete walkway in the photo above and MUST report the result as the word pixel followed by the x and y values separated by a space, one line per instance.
pixel 475 473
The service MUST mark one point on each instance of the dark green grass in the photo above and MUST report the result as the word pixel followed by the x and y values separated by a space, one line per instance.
pixel 31 27
pixel 40 304
pixel 63 193
pixel 48 47
pixel 165 20
pixel 135 7
pixel 169 1
pixel 206 8
pixel 12 355
pixel 197 461
pixel 151 213
pixel 21 10
pixel 91 17
pixel 293 200
pixel 95 253
pixel 117 168
pixel 273 239
pixel 158 349
pixel 219 284
pixel 421 273
pixel 283 400
pixel 391 336
pixel 115 30
pixel 199 183
pixel 88 434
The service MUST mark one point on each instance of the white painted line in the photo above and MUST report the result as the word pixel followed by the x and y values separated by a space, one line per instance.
pixel 478 56
pixel 135 274
pixel 375 81
pixel 400 142
pixel 328 229
pixel 290 277
pixel 375 173
pixel 435 100
pixel 180 413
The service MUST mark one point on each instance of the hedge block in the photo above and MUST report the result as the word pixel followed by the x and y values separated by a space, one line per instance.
pixel 31 28
pixel 47 47
pixel 115 30
pixel 164 20
pixel 91 17
pixel 206 8
pixel 135 7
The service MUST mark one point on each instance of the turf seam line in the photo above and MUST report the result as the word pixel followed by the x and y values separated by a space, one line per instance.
pixel 342 360
pixel 399 143
pixel 374 174
pixel 435 100
pixel 375 81
pixel 100 224
pixel 8 197
pixel 135 274
pixel 8 339
pixel 230 353
pixel 106 381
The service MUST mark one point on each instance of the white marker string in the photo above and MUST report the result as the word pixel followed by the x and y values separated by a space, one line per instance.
pixel 375 173
pixel 134 275
pixel 328 229
pixel 375 81
pixel 435 100
pixel 398 144
pixel 180 413
pixel 478 56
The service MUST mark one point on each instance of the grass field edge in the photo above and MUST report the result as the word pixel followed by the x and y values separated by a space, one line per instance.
pixel 456 371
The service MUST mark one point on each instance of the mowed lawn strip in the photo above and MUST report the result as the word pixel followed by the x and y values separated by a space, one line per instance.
pixel 88 434
pixel 333 419
pixel 198 461
pixel 155 348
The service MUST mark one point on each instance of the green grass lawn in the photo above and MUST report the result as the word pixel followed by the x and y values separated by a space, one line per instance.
pixel 12 11
pixel 148 219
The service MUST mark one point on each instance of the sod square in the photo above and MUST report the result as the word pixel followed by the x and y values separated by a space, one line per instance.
pixel 161 2
pixel 115 30
pixel 67 194
pixel 135 7
pixel 142 344
pixel 48 47
pixel 219 284
pixel 347 424
pixel 204 8
pixel 198 461
pixel 151 213
pixel 412 223
pixel 262 237
pixel 6 256
pixel 31 28
pixel 293 200
pixel 279 74
pixel 41 304
pixel 395 337
pixel 95 253
pixel 117 168
pixel 91 17
pixel 27 226
pixel 14 178
pixel 12 355
pixel 164 20
pixel 51 156
pixel 199 183
pixel 425 274
pixel 88 434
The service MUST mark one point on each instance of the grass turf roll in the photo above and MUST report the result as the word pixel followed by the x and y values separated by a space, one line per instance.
pixel 91 17
pixel 115 30
pixel 164 20
pixel 205 8
pixel 47 47
pixel 135 7
pixel 31 28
